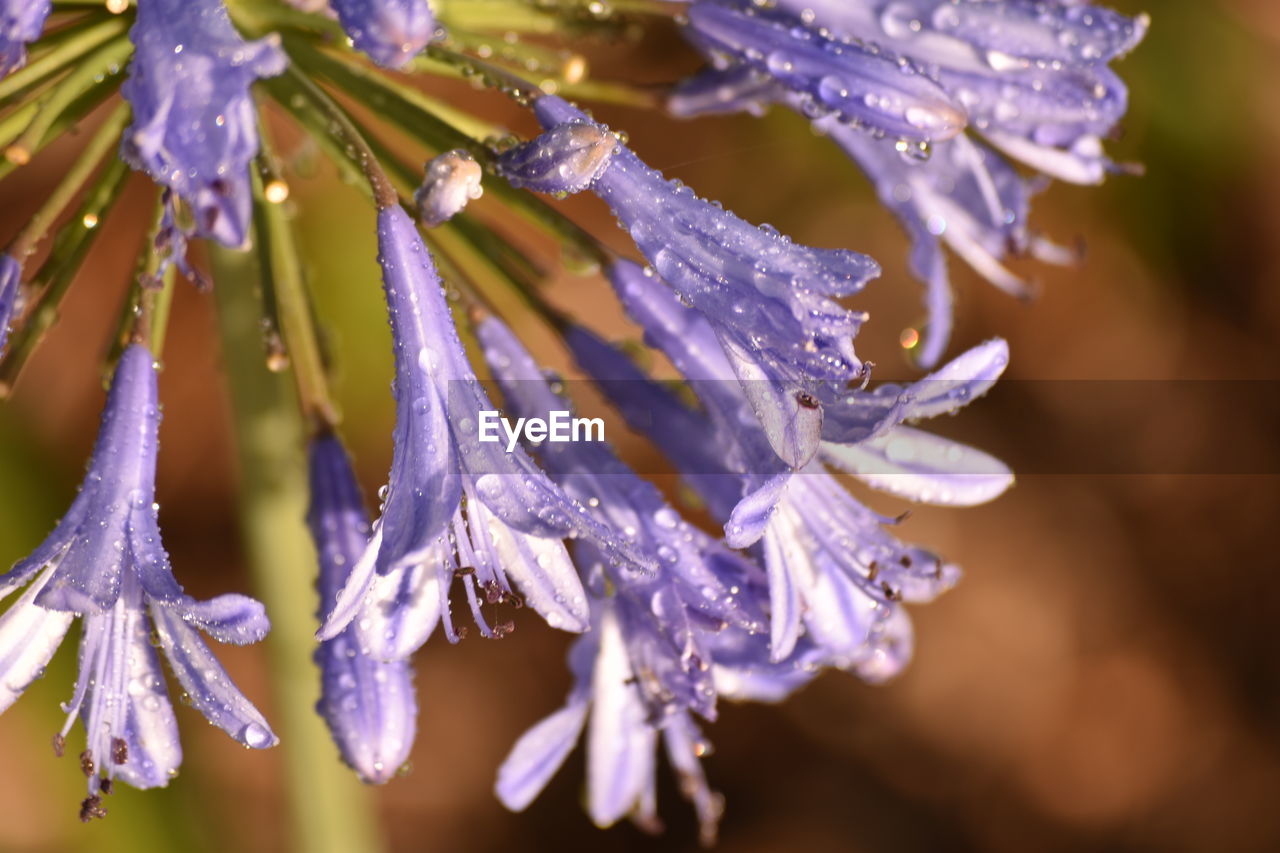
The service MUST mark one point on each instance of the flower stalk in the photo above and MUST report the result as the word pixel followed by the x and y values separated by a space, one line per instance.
pixel 329 810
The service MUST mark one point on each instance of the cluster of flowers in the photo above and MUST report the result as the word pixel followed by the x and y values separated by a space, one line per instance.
pixel 921 95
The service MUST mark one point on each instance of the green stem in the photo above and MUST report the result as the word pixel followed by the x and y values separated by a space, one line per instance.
pixel 75 111
pixel 107 61
pixel 342 128
pixel 50 283
pixel 330 810
pixel 61 50
pixel 157 305
pixel 283 280
pixel 406 108
pixel 103 143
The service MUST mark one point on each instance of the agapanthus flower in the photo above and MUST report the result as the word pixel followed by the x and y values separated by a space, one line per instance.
pixel 454 506
pixel 835 571
pixel 368 704
pixel 105 563
pixel 621 740
pixel 1032 78
pixel 21 22
pixel 10 280
pixel 852 81
pixel 695 584
pixel 450 180
pixel 194 127
pixel 392 32
pixel 771 301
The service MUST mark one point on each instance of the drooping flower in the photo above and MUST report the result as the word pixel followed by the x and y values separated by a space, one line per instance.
pixel 105 563
pixel 621 740
pixel 368 704
pixel 21 22
pixel 450 181
pixel 770 301
pixel 695 585
pixel 10 280
pixel 1032 78
pixel 855 83
pixel 392 32
pixel 454 505
pixel 566 159
pixel 194 127
pixel 835 572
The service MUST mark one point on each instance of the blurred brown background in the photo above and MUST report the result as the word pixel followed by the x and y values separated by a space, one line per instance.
pixel 1105 676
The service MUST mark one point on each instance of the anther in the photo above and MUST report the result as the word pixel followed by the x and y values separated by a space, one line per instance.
pixel 119 751
pixel 91 808
pixel 59 745
pixel 86 762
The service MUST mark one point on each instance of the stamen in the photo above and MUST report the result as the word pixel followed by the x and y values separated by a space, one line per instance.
pixel 119 751
pixel 86 763
pixel 59 745
pixel 90 808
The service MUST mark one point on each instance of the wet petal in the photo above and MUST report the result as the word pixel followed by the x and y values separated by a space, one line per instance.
pixel 207 684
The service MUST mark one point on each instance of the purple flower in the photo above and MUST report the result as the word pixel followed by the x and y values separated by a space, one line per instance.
pixel 853 82
pixel 621 739
pixel 565 160
pixel 696 585
pixel 966 197
pixel 194 125
pixel 368 704
pixel 835 573
pixel 392 32
pixel 10 281
pixel 454 505
pixel 105 562
pixel 771 301
pixel 1032 78
pixel 450 181
pixel 20 24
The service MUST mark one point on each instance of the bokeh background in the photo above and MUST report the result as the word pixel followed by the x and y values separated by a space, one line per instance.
pixel 1106 676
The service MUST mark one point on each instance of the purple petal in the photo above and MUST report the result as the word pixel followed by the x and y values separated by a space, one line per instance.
pixel 620 742
pixel 231 618
pixel 923 467
pixel 751 515
pixel 392 32
pixel 538 754
pixel 10 280
pixel 194 125
pixel 401 608
pixel 21 22
pixel 207 683
pixel 784 598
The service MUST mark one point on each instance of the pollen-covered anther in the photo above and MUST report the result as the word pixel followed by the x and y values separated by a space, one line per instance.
pixel 59 745
pixel 119 751
pixel 90 808
pixel 86 763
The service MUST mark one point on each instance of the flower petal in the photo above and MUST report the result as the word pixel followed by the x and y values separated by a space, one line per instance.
pixel 207 683
pixel 538 754
pixel 923 467
pixel 29 635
